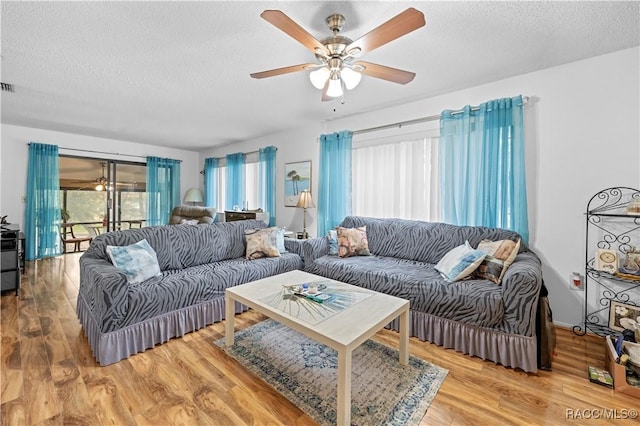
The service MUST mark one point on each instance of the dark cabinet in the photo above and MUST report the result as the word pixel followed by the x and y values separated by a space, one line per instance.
pixel 10 257
pixel 231 216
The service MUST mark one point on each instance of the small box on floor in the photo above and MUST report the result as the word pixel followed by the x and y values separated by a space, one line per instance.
pixel 618 371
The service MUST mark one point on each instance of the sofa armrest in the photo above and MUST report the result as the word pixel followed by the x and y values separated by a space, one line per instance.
pixel 104 288
pixel 294 246
pixel 315 248
pixel 520 291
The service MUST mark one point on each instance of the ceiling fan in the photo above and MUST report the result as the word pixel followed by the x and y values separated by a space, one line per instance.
pixel 337 55
pixel 101 182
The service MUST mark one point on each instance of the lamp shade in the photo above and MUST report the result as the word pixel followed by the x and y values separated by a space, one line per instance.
pixel 305 201
pixel 193 195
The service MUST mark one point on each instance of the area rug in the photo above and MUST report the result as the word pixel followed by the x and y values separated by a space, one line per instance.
pixel 305 372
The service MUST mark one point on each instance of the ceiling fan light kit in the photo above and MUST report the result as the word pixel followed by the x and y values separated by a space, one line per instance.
pixel 101 182
pixel 350 77
pixel 336 54
pixel 319 77
pixel 334 89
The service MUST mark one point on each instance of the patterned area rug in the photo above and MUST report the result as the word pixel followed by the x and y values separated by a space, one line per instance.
pixel 305 372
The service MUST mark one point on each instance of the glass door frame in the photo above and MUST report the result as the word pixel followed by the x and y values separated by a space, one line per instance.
pixel 114 196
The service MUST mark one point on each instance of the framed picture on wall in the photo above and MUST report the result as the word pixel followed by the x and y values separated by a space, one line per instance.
pixel 297 178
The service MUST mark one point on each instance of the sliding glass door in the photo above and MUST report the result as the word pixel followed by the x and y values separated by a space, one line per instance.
pixel 102 195
pixel 127 198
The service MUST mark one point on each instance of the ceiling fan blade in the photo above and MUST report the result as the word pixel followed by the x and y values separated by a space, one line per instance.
pixel 284 70
pixel 386 73
pixel 291 28
pixel 401 24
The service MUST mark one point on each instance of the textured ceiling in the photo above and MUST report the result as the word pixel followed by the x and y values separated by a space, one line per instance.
pixel 177 73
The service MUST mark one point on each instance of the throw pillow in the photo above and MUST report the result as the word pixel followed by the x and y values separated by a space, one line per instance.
pixel 138 261
pixel 352 241
pixel 261 243
pixel 460 262
pixel 332 235
pixel 279 237
pixel 189 222
pixel 280 240
pixel 500 255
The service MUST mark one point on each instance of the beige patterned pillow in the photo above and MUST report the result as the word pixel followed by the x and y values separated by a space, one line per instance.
pixel 261 243
pixel 500 255
pixel 352 241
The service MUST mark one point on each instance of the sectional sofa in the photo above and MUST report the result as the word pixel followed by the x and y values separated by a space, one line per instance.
pixel 197 263
pixel 478 317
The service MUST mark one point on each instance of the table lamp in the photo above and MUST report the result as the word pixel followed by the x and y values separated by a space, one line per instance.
pixel 193 196
pixel 305 202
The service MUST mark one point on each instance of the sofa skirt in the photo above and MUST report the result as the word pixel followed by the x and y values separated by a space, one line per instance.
pixel 119 344
pixel 510 350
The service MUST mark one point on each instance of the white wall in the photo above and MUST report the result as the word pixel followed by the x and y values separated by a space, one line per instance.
pixel 582 135
pixel 14 153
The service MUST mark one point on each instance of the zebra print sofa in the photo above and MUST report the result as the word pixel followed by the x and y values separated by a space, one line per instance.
pixel 198 262
pixel 476 317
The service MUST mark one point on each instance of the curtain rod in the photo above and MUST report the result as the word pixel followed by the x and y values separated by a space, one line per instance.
pixel 101 152
pixel 257 151
pixel 245 153
pixel 525 99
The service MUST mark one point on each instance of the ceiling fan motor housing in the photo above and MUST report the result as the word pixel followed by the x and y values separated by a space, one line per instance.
pixel 335 22
pixel 335 44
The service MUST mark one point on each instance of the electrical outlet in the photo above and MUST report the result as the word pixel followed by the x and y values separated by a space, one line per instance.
pixel 576 281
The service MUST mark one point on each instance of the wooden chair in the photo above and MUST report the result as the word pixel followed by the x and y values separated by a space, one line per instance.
pixel 68 237
pixel 135 224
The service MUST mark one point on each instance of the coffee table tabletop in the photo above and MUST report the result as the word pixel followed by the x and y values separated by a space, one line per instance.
pixel 352 316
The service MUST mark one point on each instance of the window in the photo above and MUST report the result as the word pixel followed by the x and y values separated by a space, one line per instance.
pixel 251 185
pixel 396 178
pixel 84 205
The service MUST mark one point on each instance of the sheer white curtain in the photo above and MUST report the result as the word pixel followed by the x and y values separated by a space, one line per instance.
pixel 396 179
pixel 251 185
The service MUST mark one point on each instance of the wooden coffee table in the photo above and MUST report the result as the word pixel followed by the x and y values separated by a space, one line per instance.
pixel 355 315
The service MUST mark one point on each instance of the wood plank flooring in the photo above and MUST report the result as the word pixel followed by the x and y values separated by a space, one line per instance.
pixel 49 375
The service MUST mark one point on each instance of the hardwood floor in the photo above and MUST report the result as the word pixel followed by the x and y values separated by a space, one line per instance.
pixel 49 375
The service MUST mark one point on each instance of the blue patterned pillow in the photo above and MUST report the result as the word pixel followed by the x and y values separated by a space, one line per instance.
pixel 138 261
pixel 280 240
pixel 460 262
pixel 332 235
